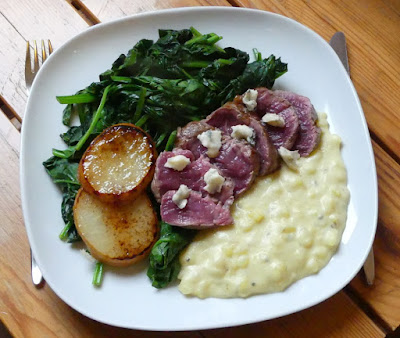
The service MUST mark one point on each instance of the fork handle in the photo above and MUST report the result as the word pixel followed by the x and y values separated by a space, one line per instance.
pixel 37 277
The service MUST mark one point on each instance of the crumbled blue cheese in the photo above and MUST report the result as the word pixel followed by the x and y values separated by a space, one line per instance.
pixel 211 139
pixel 178 162
pixel 274 120
pixel 250 99
pixel 241 131
pixel 181 195
pixel 289 157
pixel 214 181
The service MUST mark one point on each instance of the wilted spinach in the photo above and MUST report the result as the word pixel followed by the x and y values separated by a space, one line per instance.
pixel 164 258
pixel 65 174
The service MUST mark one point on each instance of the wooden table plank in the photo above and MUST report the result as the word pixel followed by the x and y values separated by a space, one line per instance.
pixel 10 133
pixel 26 311
pixel 384 295
pixel 25 20
pixel 107 10
pixel 372 29
pixel 323 320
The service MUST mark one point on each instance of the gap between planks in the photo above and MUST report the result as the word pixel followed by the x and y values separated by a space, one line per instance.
pixel 84 12
pixel 367 309
pixel 10 113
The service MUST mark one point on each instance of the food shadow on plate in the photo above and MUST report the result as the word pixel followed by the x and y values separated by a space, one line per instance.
pixel 127 271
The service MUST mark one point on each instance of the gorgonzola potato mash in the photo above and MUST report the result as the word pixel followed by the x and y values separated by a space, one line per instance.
pixel 286 227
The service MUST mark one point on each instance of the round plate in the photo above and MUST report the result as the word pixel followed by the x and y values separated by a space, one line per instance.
pixel 126 297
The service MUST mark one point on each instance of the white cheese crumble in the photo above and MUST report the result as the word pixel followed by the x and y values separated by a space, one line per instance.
pixel 289 157
pixel 181 195
pixel 250 99
pixel 178 162
pixel 214 181
pixel 273 120
pixel 241 131
pixel 211 139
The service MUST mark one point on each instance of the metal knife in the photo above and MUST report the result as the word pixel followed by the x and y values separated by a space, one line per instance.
pixel 338 44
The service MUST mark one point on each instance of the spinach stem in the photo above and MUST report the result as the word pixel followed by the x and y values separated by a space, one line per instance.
pixel 95 119
pixel 66 181
pixel 142 121
pixel 195 32
pixel 257 54
pixel 184 72
pixel 225 61
pixel 213 39
pixel 160 139
pixel 67 153
pixel 140 104
pixel 98 274
pixel 171 141
pixel 64 233
pixel 196 64
pixel 123 79
pixel 77 98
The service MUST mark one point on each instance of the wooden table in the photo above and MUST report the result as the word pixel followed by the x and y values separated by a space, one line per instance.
pixel 372 28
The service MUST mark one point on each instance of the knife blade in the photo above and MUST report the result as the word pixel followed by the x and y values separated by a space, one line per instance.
pixel 338 44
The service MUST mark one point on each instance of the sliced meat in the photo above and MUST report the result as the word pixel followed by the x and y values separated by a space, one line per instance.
pixel 230 115
pixel 166 179
pixel 186 137
pixel 268 102
pixel 238 161
pixel 199 212
pixel 309 134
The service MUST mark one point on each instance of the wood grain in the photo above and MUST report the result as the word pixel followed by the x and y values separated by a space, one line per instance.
pixel 10 133
pixel 25 20
pixel 372 29
pixel 323 320
pixel 111 9
pixel 384 295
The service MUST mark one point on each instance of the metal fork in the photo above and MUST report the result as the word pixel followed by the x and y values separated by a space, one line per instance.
pixel 30 73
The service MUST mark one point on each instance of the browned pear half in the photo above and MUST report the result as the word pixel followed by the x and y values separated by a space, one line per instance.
pixel 119 163
pixel 116 234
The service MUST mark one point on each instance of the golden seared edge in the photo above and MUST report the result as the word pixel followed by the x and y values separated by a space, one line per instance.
pixel 116 234
pixel 119 163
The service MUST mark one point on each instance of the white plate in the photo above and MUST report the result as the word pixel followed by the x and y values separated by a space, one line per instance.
pixel 126 298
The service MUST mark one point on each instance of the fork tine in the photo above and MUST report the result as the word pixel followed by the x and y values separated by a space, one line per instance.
pixel 36 60
pixel 44 56
pixel 50 47
pixel 28 59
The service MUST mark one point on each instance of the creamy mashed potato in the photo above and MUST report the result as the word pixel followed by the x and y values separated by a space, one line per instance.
pixel 287 226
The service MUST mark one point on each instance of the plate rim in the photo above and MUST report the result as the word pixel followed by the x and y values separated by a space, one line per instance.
pixel 23 187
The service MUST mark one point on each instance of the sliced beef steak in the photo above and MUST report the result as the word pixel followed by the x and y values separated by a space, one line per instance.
pixel 309 134
pixel 238 161
pixel 166 179
pixel 186 137
pixel 199 212
pixel 268 102
pixel 230 115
